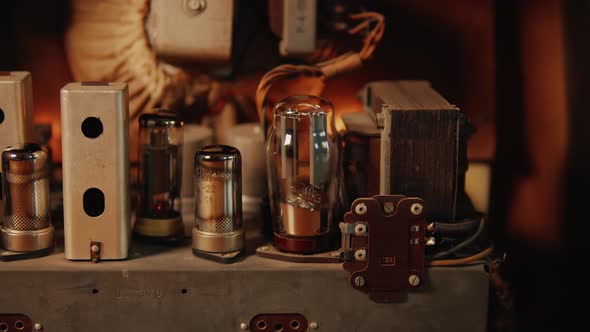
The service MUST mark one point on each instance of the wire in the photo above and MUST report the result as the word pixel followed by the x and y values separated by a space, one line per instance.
pixel 463 244
pixel 278 73
pixel 462 261
pixel 373 37
pixel 464 228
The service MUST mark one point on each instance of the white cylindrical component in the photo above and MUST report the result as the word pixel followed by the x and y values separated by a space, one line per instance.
pixel 195 138
pixel 249 139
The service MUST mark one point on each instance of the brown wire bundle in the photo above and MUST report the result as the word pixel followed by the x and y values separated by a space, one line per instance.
pixel 340 64
pixel 462 261
pixel 374 36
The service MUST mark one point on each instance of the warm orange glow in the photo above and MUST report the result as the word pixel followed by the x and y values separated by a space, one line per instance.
pixel 536 210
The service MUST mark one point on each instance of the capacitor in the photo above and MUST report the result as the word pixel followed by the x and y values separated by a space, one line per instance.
pixel 160 167
pixel 27 211
pixel 249 139
pixel 218 232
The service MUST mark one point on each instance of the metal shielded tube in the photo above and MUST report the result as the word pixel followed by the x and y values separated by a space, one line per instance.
pixel 27 211
pixel 218 200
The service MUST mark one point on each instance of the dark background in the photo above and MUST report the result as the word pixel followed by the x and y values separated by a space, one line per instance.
pixel 518 69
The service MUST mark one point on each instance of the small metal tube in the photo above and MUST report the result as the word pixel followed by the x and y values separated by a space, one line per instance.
pixel 218 200
pixel 27 211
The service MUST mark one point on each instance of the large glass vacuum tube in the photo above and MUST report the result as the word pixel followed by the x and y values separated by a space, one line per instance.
pixel 160 162
pixel 302 167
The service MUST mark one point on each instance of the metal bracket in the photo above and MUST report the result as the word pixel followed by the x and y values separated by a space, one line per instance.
pixel 18 322
pixel 271 252
pixel 358 228
pixel 389 257
pixel 95 250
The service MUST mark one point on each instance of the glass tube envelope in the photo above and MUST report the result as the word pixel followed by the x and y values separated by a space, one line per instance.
pixel 302 167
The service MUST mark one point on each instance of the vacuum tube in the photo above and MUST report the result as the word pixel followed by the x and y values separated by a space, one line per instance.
pixel 218 232
pixel 160 162
pixel 27 211
pixel 302 167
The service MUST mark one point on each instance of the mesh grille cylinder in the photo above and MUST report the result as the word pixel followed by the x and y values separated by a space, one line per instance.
pixel 26 176
pixel 218 199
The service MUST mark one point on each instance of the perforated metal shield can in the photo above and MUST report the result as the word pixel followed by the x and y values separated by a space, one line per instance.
pixel 27 211
pixel 218 200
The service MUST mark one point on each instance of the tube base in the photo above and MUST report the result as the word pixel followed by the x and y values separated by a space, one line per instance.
pixel 304 245
pixel 159 228
pixel 218 242
pixel 225 258
pixel 25 241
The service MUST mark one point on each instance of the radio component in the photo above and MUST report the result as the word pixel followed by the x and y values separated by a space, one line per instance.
pixel 423 145
pixel 383 242
pixel 248 138
pixel 16 108
pixel 160 167
pixel 195 137
pixel 192 30
pixel 294 21
pixel 302 169
pixel 95 140
pixel 279 322
pixel 18 323
pixel 27 211
pixel 218 232
pixel 360 156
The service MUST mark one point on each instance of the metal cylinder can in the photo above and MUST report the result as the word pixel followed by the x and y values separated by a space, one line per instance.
pixel 27 211
pixel 218 200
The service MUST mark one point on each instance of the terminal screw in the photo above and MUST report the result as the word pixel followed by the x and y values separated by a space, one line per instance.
pixel 195 6
pixel 359 281
pixel 388 207
pixel 360 255
pixel 360 229
pixel 360 209
pixel 416 208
